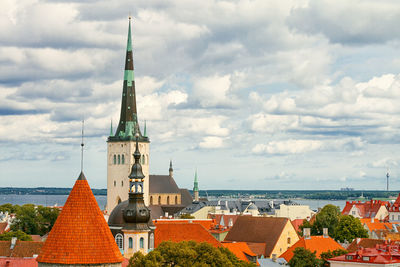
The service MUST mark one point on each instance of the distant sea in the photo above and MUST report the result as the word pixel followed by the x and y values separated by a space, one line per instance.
pixel 59 200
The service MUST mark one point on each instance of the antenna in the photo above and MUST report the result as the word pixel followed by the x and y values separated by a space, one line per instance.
pixel 82 144
pixel 387 180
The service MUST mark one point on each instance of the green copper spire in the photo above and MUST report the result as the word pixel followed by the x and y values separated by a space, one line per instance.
pixel 196 183
pixel 129 44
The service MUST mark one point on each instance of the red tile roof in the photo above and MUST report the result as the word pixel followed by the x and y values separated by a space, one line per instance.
pixel 367 209
pixel 364 243
pixel 319 244
pixel 22 249
pixel 80 235
pixel 396 205
pixel 177 232
pixel 380 254
pixel 223 219
pixel 206 223
pixel 4 227
pixel 296 224
pixel 376 225
pixel 18 262
pixel 240 249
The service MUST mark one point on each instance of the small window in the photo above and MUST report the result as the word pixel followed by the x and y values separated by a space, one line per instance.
pixel 115 183
pixel 159 200
pixel 176 199
pixel 167 200
pixel 119 159
pixel 143 159
pixel 151 241
pixel 349 257
pixel 288 240
pixel 365 258
pixel 122 183
pixel 119 239
pixel 115 159
pixel 141 242
pixel 151 200
pixel 130 242
pixel 353 212
pixel 123 159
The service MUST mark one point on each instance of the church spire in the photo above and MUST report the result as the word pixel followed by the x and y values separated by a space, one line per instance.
pixel 196 188
pixel 128 119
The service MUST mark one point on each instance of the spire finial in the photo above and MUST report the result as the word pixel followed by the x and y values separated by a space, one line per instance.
pixel 82 144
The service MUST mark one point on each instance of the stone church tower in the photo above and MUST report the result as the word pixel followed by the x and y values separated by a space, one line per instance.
pixel 121 143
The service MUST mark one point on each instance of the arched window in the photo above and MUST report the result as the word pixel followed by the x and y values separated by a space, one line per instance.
pixel 130 242
pixel 141 242
pixel 119 200
pixel 115 183
pixel 151 200
pixel 115 159
pixel 142 159
pixel 123 159
pixel 151 245
pixel 122 183
pixel 167 200
pixel 176 199
pixel 119 239
pixel 159 200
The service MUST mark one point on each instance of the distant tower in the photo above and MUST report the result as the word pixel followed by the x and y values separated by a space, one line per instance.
pixel 171 170
pixel 387 181
pixel 121 143
pixel 196 188
pixel 130 221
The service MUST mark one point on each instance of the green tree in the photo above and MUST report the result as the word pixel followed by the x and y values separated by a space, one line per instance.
pixel 304 258
pixel 18 234
pixel 9 208
pixel 328 217
pixel 330 254
pixel 306 224
pixel 34 220
pixel 349 228
pixel 187 253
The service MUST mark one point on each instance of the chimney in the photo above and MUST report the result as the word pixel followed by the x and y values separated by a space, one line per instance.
pixel 13 242
pixel 372 219
pixel 274 257
pixel 166 214
pixel 306 233
pixel 325 232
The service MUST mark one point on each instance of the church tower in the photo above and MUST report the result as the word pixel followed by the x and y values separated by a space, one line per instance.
pixel 196 188
pixel 121 143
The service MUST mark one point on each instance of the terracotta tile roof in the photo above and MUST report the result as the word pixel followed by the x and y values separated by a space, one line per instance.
pixel 240 249
pixel 18 262
pixel 265 230
pixel 206 223
pixel 258 248
pixel 177 232
pixel 224 219
pixel 80 235
pixel 376 225
pixel 363 243
pixel 37 238
pixel 4 227
pixel 318 244
pixel 21 249
pixel 296 224
pixel 385 254
pixel 367 209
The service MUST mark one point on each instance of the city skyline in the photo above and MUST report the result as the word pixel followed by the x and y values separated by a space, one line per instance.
pixel 252 94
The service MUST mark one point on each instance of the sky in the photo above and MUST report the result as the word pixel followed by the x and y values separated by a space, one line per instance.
pixel 254 94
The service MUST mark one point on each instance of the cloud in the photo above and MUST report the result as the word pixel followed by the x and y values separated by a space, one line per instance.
pixel 348 22
pixel 211 142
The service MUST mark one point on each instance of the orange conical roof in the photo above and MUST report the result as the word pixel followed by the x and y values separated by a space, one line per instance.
pixel 80 235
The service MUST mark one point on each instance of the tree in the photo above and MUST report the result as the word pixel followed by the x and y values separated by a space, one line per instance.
pixel 328 217
pixel 303 257
pixel 18 234
pixel 349 228
pixel 10 208
pixel 330 254
pixel 34 220
pixel 306 224
pixel 186 253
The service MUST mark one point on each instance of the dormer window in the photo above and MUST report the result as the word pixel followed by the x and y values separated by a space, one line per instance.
pixel 365 258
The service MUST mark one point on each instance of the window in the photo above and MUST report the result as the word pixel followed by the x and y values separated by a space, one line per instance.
pixel 365 258
pixel 141 242
pixel 398 217
pixel 349 257
pixel 119 159
pixel 159 200
pixel 176 199
pixel 151 241
pixel 115 159
pixel 151 200
pixel 119 239
pixel 123 159
pixel 288 240
pixel 119 200
pixel 122 183
pixel 130 242
pixel 167 200
pixel 142 159
pixel 353 212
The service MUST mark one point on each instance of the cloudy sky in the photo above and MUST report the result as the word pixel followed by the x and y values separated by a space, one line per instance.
pixel 255 94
